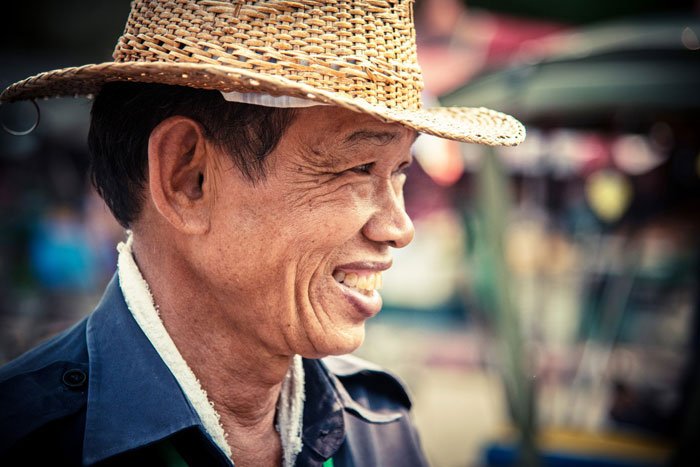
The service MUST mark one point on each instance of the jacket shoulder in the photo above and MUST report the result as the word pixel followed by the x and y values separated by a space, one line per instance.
pixel 69 345
pixel 369 383
pixel 43 385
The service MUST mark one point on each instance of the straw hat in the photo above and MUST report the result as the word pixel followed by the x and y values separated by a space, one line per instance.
pixel 356 54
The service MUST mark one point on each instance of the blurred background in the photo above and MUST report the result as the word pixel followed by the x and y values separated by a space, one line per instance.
pixel 546 312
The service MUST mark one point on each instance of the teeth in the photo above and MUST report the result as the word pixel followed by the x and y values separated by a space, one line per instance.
pixel 339 276
pixel 362 283
pixel 350 279
pixel 366 283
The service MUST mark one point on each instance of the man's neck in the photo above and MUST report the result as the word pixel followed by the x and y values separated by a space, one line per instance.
pixel 241 379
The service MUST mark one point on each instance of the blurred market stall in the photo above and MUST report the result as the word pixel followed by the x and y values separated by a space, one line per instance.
pixel 593 277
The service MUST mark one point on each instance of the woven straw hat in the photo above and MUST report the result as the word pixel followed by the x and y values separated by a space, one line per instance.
pixel 356 54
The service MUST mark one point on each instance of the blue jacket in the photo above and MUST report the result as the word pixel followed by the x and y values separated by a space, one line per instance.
pixel 99 394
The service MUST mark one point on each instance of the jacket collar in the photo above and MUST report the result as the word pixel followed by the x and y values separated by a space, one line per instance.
pixel 324 419
pixel 133 399
pixel 349 366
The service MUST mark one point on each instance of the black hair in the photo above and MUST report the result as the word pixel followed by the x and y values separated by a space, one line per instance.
pixel 124 115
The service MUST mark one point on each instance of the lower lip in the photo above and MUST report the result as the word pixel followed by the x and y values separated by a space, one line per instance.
pixel 367 305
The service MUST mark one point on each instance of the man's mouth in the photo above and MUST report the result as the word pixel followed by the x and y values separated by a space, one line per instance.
pixel 364 282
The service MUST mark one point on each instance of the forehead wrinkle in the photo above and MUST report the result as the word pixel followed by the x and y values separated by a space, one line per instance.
pixel 316 155
pixel 321 151
pixel 336 144
pixel 306 152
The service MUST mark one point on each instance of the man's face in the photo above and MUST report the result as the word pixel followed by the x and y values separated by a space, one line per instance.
pixel 295 259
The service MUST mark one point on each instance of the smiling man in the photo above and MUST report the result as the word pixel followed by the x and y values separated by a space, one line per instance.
pixel 256 153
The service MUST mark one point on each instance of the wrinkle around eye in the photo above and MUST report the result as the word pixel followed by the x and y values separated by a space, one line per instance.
pixel 332 189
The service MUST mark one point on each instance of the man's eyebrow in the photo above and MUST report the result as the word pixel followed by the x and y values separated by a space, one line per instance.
pixel 377 137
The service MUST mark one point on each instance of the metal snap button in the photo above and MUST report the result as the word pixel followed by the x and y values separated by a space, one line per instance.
pixel 74 378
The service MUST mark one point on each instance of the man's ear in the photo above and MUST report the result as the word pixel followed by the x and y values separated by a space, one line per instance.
pixel 177 160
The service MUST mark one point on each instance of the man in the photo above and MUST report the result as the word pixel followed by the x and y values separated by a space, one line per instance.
pixel 256 153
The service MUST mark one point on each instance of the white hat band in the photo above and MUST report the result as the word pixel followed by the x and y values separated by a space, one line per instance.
pixel 267 100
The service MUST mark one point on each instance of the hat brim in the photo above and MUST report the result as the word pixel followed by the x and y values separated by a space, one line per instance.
pixel 466 124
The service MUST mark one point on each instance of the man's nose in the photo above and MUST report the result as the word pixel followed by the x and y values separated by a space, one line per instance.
pixel 390 223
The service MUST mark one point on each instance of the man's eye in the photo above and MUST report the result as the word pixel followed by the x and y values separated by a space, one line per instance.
pixel 403 168
pixel 362 169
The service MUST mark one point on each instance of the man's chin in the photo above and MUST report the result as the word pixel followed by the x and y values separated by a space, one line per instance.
pixel 338 343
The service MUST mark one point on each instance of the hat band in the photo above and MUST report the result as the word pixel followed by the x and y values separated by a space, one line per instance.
pixel 267 100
